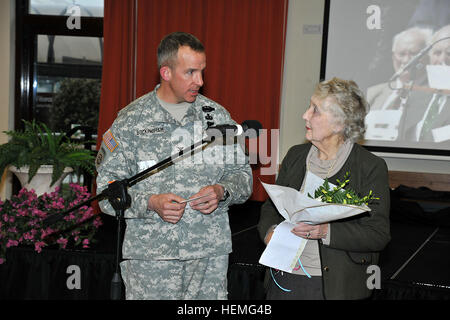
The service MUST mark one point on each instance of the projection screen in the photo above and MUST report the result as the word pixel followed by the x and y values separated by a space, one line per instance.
pixel 398 52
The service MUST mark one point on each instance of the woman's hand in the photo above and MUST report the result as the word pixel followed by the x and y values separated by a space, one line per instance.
pixel 268 237
pixel 309 231
pixel 269 234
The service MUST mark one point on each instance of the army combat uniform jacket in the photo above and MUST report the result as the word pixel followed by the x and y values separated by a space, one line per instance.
pixel 143 134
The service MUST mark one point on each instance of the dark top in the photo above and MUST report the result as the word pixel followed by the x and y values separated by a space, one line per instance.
pixel 355 242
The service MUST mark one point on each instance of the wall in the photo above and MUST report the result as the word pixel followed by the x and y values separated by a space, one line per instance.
pixel 301 69
pixel 6 79
pixel 302 72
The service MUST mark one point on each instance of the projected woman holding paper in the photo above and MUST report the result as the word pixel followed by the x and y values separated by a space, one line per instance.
pixel 335 259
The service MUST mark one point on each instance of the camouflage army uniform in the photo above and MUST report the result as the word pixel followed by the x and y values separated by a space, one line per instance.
pixel 143 134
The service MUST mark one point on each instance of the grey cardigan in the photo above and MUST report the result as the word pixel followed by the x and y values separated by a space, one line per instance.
pixel 355 242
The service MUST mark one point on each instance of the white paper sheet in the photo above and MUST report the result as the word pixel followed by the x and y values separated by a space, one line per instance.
pixel 382 124
pixel 284 248
pixel 439 76
pixel 441 134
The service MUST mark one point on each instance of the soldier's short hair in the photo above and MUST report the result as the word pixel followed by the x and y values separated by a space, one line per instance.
pixel 169 45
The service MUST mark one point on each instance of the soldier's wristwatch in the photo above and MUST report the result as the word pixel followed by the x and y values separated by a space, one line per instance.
pixel 226 194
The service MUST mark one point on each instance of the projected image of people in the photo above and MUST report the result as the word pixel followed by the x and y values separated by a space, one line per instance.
pixel 398 52
pixel 430 122
pixel 405 45
pixel 414 104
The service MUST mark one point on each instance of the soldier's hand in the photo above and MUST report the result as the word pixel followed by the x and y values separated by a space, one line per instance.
pixel 167 206
pixel 207 204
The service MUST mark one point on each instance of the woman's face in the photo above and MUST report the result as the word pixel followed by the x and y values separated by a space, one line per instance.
pixel 321 127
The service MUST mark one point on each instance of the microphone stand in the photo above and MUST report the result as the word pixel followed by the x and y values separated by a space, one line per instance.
pixel 117 195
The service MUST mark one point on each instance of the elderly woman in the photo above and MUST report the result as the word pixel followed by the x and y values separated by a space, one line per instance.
pixel 337 254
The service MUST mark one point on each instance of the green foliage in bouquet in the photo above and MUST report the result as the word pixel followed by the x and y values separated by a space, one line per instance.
pixel 340 195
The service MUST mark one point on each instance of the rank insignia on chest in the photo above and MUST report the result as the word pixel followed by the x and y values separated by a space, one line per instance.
pixel 208 117
pixel 109 141
pixel 208 109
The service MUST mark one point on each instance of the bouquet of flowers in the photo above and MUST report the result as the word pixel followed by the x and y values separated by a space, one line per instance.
pixel 21 220
pixel 338 194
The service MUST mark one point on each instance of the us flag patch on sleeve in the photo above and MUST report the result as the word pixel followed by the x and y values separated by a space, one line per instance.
pixel 109 141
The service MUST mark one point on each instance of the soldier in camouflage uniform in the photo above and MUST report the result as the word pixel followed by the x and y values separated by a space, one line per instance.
pixel 174 250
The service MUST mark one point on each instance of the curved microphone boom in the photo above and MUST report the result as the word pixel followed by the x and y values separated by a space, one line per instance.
pixel 236 129
pixel 414 61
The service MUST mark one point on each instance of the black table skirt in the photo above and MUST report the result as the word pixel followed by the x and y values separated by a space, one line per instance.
pixel 28 275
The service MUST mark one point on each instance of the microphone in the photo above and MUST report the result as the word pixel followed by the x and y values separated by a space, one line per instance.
pixel 412 62
pixel 236 129
pixel 415 59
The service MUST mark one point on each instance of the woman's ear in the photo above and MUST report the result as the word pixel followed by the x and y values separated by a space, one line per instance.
pixel 165 73
pixel 338 127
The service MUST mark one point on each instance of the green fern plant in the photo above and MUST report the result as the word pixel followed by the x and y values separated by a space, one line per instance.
pixel 37 145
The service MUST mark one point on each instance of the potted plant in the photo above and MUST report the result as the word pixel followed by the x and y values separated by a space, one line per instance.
pixel 37 146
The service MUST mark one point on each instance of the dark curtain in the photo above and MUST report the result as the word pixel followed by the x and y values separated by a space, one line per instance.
pixel 244 43
pixel 118 75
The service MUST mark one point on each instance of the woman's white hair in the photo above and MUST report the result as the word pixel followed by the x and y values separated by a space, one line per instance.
pixel 347 104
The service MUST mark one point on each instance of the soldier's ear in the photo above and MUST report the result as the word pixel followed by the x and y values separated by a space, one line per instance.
pixel 165 73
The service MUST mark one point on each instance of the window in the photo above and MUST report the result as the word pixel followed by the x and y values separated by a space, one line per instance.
pixel 88 8
pixel 68 72
pixel 59 62
pixel 59 53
